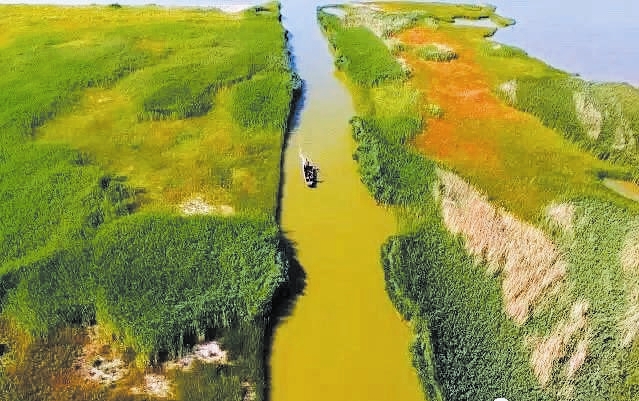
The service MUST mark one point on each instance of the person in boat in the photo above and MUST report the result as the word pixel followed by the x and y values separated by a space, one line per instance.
pixel 308 169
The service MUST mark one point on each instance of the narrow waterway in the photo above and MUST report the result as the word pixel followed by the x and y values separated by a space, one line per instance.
pixel 344 340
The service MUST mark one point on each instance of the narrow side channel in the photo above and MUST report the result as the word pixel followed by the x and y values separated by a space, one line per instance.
pixel 344 340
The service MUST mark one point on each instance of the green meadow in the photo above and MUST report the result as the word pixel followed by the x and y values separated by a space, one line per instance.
pixel 524 287
pixel 139 154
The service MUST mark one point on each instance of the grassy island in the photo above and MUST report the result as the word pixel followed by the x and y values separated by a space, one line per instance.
pixel 515 263
pixel 139 154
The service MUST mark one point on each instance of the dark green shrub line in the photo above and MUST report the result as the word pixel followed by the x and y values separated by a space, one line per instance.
pixel 358 52
pixel 469 349
pixel 264 100
pixel 392 174
pixel 163 276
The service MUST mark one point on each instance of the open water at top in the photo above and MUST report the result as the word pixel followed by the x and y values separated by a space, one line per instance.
pixel 596 39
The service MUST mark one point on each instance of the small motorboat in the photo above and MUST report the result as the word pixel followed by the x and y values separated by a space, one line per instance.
pixel 309 170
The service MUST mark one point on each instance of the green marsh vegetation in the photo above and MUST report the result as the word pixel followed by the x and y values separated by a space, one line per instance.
pixel 576 339
pixel 436 52
pixel 112 119
pixel 601 117
pixel 365 59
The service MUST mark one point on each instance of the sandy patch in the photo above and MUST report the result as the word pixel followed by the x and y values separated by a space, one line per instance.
pixel 105 371
pixel 198 206
pixel 97 364
pixel 155 385
pixel 209 352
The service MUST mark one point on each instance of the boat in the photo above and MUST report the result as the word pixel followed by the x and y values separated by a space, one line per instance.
pixel 309 171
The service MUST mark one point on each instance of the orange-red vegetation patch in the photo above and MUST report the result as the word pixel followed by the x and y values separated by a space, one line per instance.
pixel 462 90
pixel 521 164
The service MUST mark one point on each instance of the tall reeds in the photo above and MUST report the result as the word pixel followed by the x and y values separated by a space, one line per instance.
pixel 530 263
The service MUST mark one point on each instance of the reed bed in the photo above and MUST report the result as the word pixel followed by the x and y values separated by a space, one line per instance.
pixel 562 215
pixel 602 118
pixel 108 109
pixel 530 263
pixel 383 24
pixel 436 52
pixel 429 275
pixel 550 350
pixel 366 60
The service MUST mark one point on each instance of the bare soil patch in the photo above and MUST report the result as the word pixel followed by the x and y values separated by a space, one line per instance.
pixel 198 206
pixel 156 385
pixel 97 363
pixel 210 352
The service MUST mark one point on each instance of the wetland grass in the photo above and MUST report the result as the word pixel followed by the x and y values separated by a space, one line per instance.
pixel 573 339
pixel 436 52
pixel 359 54
pixel 115 117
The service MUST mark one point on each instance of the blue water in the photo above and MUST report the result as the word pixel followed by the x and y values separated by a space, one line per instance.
pixel 595 39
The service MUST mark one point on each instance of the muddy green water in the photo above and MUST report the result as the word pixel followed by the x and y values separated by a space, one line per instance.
pixel 344 340
pixel 627 189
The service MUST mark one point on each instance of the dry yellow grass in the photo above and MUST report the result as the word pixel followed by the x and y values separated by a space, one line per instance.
pixel 171 159
pixel 578 358
pixel 547 351
pixel 588 115
pixel 529 261
pixel 624 136
pixel 630 324
pixel 509 89
pixel 562 215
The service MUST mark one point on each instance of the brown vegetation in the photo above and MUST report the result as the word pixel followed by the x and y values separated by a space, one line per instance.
pixel 529 262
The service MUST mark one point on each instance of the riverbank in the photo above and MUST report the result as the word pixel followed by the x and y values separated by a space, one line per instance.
pixel 343 339
pixel 140 199
pixel 483 275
